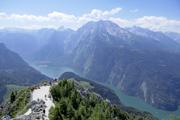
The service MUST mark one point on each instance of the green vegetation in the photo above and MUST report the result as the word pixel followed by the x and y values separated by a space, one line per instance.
pixel 12 97
pixel 85 84
pixel 10 89
pixel 73 102
pixel 17 103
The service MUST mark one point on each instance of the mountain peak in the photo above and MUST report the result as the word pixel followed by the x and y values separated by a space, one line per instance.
pixel 101 24
pixel 104 26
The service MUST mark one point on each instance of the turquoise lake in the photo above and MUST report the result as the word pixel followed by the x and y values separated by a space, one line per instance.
pixel 141 105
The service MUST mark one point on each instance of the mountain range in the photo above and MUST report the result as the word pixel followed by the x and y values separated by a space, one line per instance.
pixel 137 61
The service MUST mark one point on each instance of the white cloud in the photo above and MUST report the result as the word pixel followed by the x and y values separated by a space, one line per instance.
pixel 2 15
pixel 99 14
pixel 96 14
pixel 59 19
pixel 158 23
pixel 54 19
pixel 151 22
pixel 60 16
pixel 121 22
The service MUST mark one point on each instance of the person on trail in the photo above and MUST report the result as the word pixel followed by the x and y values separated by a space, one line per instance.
pixel 45 97
pixel 44 111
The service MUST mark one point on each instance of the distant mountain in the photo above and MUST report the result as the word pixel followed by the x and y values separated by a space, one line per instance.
pixel 39 46
pixel 55 49
pixel 164 40
pixel 139 65
pixel 21 42
pixel 14 70
pixel 26 42
pixel 174 36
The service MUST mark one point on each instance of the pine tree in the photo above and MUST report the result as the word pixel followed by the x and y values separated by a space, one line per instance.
pixel 12 97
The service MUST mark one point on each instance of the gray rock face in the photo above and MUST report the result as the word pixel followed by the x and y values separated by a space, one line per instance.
pixel 6 118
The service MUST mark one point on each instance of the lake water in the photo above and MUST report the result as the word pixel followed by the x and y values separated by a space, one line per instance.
pixel 130 101
pixel 141 105
pixel 52 71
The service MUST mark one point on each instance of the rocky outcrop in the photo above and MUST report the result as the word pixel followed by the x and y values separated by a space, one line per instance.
pixel 37 111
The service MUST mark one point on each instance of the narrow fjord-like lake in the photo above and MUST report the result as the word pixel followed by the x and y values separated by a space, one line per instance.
pixel 141 105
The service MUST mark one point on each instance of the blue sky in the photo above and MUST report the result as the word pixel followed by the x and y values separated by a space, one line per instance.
pixel 167 8
pixel 163 15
